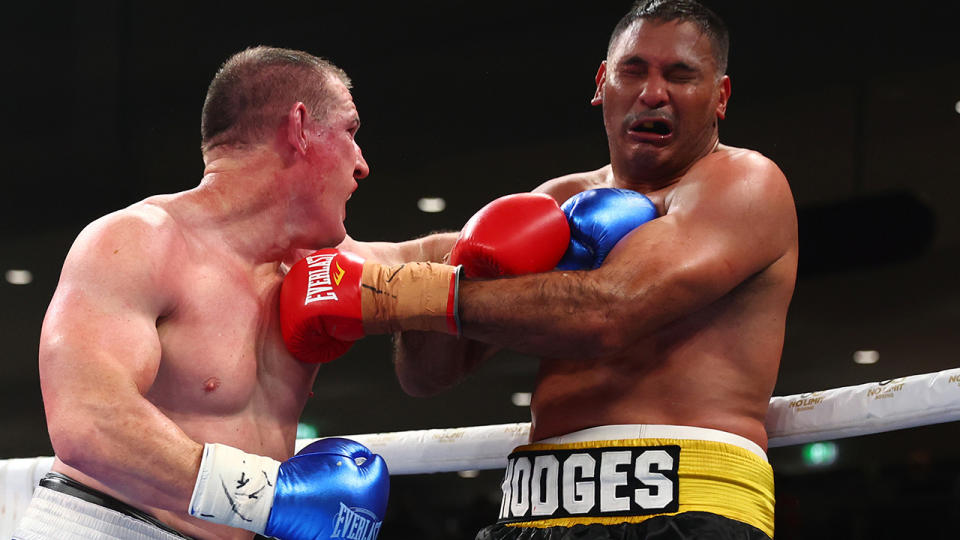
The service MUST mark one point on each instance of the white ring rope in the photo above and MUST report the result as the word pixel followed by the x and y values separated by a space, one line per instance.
pixel 902 403
pixel 876 407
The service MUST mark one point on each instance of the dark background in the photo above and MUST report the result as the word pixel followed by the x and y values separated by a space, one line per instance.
pixel 857 103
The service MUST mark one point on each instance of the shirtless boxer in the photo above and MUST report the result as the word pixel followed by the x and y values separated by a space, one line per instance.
pixel 658 366
pixel 171 400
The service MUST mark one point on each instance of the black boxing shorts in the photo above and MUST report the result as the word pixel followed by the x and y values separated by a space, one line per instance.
pixel 636 481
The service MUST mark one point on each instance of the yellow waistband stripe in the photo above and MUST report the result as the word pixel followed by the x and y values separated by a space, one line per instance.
pixel 714 477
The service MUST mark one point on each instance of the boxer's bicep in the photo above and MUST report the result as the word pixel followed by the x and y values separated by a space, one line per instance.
pixel 714 238
pixel 99 347
pixel 739 224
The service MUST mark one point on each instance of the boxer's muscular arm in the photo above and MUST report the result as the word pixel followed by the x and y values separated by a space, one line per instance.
pixel 515 234
pixel 427 363
pixel 431 248
pixel 730 219
pixel 416 353
pixel 99 354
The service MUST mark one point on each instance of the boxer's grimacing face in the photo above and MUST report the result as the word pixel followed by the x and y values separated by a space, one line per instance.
pixel 661 96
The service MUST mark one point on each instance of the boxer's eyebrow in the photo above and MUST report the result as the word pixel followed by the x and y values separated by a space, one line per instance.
pixel 637 61
pixel 682 66
pixel 633 61
pixel 681 69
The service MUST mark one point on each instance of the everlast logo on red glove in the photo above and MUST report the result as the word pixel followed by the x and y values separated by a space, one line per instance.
pixel 318 278
pixel 332 298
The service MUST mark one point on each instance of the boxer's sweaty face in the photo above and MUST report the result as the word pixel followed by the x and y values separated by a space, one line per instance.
pixel 661 97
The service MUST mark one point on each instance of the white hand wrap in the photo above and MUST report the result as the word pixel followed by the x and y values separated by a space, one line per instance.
pixel 234 488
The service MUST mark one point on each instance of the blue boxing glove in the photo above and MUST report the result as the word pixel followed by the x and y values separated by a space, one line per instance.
pixel 598 219
pixel 332 488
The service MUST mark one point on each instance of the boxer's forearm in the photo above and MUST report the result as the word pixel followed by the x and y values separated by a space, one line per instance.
pixel 432 248
pixel 131 447
pixel 576 314
pixel 93 378
pixel 427 362
pixel 539 315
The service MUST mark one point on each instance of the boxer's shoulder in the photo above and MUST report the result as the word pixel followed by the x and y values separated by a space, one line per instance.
pixel 135 252
pixel 564 187
pixel 141 225
pixel 735 175
pixel 730 164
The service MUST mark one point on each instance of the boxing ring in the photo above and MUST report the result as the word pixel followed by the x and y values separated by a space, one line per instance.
pixel 876 407
pixel 850 411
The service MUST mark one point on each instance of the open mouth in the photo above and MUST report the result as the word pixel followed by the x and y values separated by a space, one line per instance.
pixel 659 128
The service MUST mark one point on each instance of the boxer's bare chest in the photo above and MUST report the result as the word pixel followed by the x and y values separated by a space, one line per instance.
pixel 222 351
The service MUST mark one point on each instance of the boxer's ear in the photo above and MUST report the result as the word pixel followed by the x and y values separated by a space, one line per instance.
pixel 723 97
pixel 296 127
pixel 600 80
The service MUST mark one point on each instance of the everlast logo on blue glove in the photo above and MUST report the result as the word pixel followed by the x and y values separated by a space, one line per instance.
pixel 355 524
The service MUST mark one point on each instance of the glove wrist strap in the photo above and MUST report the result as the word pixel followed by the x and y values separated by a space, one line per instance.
pixel 455 300
pixel 234 488
pixel 412 296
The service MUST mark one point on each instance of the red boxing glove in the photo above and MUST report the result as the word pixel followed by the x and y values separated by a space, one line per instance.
pixel 332 298
pixel 327 282
pixel 516 234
